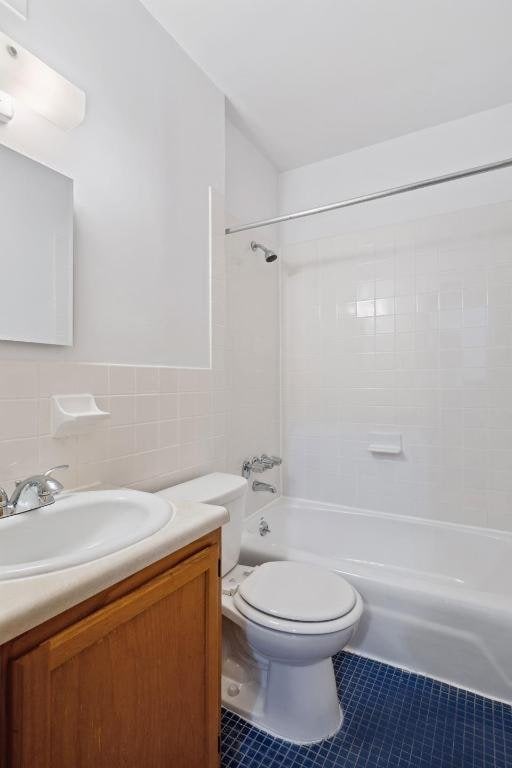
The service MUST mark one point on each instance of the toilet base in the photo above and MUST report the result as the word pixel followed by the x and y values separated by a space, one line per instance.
pixel 282 681
pixel 297 703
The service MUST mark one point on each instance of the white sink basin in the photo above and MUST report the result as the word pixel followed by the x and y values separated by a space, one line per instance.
pixel 78 528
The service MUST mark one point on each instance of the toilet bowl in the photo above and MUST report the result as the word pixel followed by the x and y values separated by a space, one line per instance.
pixel 287 646
pixel 282 623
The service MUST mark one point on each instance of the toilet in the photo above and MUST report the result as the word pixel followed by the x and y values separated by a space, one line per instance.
pixel 282 623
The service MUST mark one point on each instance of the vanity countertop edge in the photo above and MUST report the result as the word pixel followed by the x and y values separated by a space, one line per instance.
pixel 27 602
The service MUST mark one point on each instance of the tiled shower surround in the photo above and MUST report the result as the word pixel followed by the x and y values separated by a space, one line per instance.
pixel 403 329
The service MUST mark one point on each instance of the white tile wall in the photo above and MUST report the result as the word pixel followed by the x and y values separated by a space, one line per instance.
pixel 152 438
pixel 406 329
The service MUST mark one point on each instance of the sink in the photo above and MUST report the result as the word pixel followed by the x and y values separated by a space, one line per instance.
pixel 78 528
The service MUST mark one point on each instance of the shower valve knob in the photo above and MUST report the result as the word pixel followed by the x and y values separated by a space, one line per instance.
pixel 273 461
pixel 260 464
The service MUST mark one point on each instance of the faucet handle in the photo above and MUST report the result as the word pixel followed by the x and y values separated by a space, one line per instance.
pixel 4 501
pixel 48 472
pixel 271 461
pixel 53 486
pixel 254 464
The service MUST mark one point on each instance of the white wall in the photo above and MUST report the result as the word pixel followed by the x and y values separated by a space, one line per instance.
pixel 253 312
pixel 475 140
pixel 251 179
pixel 151 144
pixel 397 317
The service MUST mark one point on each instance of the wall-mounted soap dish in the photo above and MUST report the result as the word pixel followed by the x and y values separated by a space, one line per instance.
pixel 385 442
pixel 75 415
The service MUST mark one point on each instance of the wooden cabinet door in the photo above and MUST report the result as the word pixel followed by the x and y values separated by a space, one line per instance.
pixel 134 685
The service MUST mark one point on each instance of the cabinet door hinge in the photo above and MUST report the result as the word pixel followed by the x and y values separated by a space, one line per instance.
pixel 219 567
pixel 218 744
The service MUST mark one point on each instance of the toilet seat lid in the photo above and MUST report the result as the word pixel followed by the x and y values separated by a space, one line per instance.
pixel 298 592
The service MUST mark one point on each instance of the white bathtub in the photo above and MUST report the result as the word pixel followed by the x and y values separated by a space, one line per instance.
pixel 438 597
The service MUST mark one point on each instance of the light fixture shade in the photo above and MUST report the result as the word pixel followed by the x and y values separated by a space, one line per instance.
pixel 19 7
pixel 38 86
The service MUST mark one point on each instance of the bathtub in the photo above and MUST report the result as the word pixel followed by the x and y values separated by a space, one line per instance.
pixel 438 596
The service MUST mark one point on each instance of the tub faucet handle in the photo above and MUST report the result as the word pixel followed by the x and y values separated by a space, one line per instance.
pixel 259 464
pixel 271 461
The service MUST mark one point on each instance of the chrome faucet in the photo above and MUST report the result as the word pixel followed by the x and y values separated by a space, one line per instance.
pixel 260 464
pixel 34 492
pixel 259 486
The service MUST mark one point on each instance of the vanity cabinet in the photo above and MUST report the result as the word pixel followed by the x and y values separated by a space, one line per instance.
pixel 128 679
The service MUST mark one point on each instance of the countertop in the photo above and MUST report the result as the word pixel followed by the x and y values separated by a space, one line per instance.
pixel 27 602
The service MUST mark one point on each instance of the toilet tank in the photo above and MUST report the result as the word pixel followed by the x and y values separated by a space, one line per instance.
pixel 224 490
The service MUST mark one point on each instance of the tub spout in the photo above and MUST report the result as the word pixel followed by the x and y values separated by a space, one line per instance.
pixel 259 486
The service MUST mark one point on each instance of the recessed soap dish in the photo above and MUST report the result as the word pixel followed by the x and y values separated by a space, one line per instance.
pixel 75 415
pixel 385 442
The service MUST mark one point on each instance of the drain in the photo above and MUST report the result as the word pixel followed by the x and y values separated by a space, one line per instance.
pixel 233 690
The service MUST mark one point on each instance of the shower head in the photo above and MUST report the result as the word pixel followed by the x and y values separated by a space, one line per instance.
pixel 269 255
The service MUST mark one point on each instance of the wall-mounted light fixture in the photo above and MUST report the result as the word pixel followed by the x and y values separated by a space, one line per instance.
pixel 27 78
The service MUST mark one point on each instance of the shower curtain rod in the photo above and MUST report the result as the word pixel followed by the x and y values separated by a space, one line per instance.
pixel 376 195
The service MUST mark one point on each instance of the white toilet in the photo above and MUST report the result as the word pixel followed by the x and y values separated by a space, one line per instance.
pixel 282 622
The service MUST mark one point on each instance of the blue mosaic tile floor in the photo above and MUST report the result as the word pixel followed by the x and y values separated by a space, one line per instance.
pixel 393 719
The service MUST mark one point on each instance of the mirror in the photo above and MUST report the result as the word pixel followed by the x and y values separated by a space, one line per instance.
pixel 36 252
